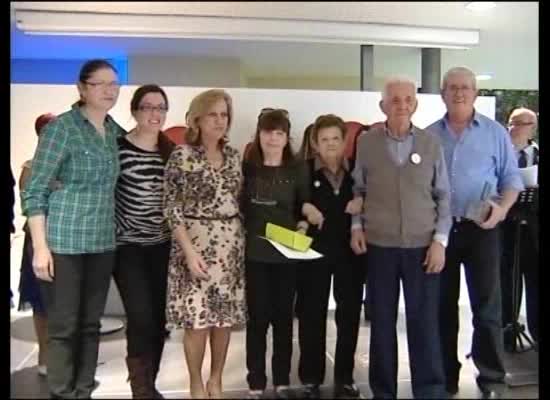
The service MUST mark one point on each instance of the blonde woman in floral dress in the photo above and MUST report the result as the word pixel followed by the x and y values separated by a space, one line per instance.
pixel 206 288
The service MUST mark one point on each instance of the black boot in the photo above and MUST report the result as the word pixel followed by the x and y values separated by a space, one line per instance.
pixel 140 377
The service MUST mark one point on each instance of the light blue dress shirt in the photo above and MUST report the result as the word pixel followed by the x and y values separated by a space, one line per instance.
pixel 482 153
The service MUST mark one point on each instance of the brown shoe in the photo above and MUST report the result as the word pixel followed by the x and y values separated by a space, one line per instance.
pixel 140 377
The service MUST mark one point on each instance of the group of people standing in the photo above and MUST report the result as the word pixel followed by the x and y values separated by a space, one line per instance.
pixel 181 230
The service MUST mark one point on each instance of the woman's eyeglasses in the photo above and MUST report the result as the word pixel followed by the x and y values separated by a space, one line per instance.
pixel 149 108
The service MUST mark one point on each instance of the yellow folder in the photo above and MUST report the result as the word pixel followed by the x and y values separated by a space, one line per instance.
pixel 287 237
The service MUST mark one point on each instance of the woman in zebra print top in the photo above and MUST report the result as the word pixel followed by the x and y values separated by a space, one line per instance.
pixel 143 238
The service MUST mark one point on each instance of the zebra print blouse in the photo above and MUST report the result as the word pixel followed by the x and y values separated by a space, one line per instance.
pixel 139 196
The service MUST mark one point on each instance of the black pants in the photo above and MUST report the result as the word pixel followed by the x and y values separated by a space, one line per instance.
pixel 141 278
pixel 270 295
pixel 479 250
pixel 75 301
pixel 529 270
pixel 388 267
pixel 313 290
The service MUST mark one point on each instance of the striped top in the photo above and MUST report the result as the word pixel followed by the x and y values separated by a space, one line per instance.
pixel 139 195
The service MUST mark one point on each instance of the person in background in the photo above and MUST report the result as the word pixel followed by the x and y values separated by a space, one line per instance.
pixel 206 286
pixel 11 202
pixel 143 238
pixel 400 170
pixel 479 154
pixel 29 287
pixel 307 149
pixel 73 228
pixel 522 124
pixel 276 190
pixel 331 193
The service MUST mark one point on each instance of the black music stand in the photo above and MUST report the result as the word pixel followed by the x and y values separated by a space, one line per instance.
pixel 525 207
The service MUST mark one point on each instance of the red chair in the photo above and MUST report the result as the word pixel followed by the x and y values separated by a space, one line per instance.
pixel 42 120
pixel 353 129
pixel 176 134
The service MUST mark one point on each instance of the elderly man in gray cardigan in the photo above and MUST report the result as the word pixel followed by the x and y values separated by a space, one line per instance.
pixel 400 171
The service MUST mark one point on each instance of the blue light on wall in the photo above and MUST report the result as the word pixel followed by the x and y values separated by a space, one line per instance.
pixel 51 71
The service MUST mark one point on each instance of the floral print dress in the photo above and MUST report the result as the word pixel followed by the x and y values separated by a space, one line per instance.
pixel 206 202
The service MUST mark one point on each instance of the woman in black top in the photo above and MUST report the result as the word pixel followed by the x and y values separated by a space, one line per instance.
pixel 143 238
pixel 276 190
pixel 331 194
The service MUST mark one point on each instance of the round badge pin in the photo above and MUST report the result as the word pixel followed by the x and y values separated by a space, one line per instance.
pixel 317 184
pixel 415 158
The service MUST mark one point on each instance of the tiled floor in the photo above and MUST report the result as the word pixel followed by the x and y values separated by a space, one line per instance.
pixel 173 382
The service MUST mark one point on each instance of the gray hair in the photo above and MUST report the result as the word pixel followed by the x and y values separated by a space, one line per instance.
pixel 394 80
pixel 459 71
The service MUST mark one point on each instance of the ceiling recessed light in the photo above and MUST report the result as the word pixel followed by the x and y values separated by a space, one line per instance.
pixel 484 77
pixel 480 6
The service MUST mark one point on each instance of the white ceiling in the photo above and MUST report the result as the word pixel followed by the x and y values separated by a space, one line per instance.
pixel 509 29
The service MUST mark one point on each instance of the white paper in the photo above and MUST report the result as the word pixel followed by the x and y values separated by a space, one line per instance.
pixel 530 176
pixel 293 254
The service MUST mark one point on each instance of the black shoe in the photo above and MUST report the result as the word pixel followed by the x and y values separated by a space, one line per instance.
pixel 367 311
pixel 311 391
pixel 452 388
pixel 489 389
pixel 349 391
pixel 282 392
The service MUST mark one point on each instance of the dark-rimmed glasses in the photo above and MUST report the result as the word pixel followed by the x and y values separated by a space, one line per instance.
pixel 149 108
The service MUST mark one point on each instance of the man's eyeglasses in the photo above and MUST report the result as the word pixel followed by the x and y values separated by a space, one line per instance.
pixel 149 108
pixel 511 124
pixel 269 110
pixel 464 88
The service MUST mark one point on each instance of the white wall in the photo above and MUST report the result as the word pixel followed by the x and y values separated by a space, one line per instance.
pixel 30 101
pixel 184 71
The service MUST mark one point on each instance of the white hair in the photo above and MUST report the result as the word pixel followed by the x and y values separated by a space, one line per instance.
pixel 464 71
pixel 523 110
pixel 395 80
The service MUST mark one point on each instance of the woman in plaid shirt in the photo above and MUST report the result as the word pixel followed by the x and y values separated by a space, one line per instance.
pixel 73 228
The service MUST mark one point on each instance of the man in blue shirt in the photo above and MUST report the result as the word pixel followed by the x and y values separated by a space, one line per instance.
pixel 481 164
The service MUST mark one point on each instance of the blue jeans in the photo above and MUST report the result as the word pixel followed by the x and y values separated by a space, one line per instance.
pixel 387 267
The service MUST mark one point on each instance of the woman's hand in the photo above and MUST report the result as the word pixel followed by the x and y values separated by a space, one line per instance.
pixel 196 265
pixel 313 215
pixel 42 263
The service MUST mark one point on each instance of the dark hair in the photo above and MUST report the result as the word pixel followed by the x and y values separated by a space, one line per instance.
pixel 165 145
pixel 328 121
pixel 306 152
pixel 140 93
pixel 90 67
pixel 269 121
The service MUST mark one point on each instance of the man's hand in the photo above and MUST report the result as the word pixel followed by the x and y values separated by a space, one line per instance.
pixel 435 258
pixel 358 241
pixel 498 213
